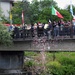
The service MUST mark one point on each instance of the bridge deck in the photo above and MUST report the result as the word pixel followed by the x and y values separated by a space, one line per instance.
pixel 51 45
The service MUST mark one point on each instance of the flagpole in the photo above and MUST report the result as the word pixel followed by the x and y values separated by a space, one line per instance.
pixel 71 10
pixel 71 18
pixel 51 11
pixel 23 14
pixel 10 16
pixel 52 20
pixel 22 17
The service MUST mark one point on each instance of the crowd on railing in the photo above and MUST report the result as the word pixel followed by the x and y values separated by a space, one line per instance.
pixel 52 29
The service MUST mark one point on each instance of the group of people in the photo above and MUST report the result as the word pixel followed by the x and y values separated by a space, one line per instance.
pixel 51 29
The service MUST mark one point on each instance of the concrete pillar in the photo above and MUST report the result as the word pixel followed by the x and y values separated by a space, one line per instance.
pixel 11 61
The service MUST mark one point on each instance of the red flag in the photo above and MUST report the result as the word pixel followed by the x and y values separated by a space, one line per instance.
pixel 23 17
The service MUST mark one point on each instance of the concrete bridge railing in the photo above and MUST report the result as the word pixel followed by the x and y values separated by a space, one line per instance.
pixel 48 45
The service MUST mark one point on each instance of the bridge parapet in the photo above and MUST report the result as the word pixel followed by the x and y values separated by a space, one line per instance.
pixel 66 44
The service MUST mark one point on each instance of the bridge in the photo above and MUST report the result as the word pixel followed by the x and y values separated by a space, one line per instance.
pixel 12 57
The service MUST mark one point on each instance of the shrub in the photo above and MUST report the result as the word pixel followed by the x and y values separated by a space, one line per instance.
pixel 5 37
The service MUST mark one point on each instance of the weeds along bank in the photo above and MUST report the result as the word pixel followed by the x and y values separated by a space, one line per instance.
pixel 60 63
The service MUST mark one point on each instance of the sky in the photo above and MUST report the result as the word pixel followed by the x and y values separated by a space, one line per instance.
pixel 63 3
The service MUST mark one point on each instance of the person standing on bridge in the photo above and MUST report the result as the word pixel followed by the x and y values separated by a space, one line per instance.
pixel 71 30
pixel 16 32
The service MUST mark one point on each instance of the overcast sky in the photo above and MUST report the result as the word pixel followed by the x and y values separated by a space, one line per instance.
pixel 62 3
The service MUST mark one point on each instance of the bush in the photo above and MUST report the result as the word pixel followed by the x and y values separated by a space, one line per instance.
pixel 55 68
pixel 64 65
pixel 5 37
pixel 30 63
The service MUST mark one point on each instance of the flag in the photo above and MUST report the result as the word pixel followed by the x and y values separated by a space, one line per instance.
pixel 71 9
pixel 23 17
pixel 55 12
pixel 10 18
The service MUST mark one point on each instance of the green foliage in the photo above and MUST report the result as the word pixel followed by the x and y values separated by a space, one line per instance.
pixel 42 10
pixel 30 54
pixel 29 63
pixel 67 61
pixel 54 68
pixel 38 11
pixel 5 37
pixel 16 13
pixel 33 12
pixel 64 64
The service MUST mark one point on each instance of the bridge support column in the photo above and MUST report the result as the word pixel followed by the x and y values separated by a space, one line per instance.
pixel 11 62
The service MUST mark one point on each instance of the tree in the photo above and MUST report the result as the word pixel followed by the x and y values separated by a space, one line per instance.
pixel 5 37
pixel 66 14
pixel 27 11
pixel 37 11
pixel 42 10
pixel 16 13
